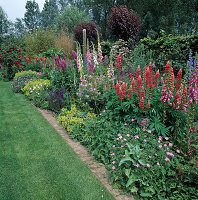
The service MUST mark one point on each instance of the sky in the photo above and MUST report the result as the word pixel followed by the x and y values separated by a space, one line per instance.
pixel 16 8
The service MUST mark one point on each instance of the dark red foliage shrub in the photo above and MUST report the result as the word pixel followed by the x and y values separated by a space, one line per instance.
pixel 124 24
pixel 90 32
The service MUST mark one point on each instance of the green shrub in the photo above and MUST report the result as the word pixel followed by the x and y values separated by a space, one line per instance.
pixel 40 41
pixel 36 91
pixel 171 48
pixel 24 73
pixel 73 117
pixel 21 80
pixel 35 86
pixel 10 58
pixel 106 48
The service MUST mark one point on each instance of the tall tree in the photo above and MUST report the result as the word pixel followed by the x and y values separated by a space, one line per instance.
pixel 32 16
pixel 4 23
pixel 70 17
pixel 49 14
pixel 19 27
pixel 100 11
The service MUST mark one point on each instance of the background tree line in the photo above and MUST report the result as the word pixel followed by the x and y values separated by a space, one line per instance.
pixel 172 16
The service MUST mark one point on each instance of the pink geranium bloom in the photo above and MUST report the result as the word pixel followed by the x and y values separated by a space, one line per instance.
pixel 166 138
pixel 167 159
pixel 158 164
pixel 113 162
pixel 147 165
pixel 123 156
pixel 160 146
pixel 170 144
pixel 127 135
pixel 113 167
pixel 178 151
pixel 144 140
pixel 138 165
pixel 149 131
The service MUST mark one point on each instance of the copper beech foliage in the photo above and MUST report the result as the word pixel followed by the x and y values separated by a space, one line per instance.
pixel 124 23
pixel 91 32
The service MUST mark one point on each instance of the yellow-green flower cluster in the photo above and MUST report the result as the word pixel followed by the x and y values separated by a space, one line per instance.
pixel 30 72
pixel 37 85
pixel 67 118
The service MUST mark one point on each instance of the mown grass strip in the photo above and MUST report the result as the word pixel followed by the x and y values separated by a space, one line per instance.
pixel 35 162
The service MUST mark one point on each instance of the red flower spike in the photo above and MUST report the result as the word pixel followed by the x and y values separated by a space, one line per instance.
pixel 139 81
pixel 142 103
pixel 150 66
pixel 121 93
pixel 148 78
pixel 123 87
pixel 117 89
pixel 176 101
pixel 167 68
pixel 138 72
pixel 172 79
pixel 148 105
pixel 156 79
pixel 133 84
pixel 183 99
pixel 144 75
pixel 178 81
pixel 142 92
pixel 130 92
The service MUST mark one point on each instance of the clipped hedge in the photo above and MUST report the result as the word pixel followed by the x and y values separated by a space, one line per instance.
pixel 172 48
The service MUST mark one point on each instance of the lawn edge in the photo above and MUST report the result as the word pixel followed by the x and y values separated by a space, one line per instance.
pixel 97 169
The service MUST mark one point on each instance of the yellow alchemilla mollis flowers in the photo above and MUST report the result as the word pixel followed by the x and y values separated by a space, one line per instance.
pixel 73 117
pixel 36 85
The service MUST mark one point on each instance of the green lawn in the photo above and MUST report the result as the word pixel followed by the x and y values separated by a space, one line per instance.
pixel 35 162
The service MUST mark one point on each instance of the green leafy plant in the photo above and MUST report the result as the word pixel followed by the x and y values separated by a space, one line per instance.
pixel 22 78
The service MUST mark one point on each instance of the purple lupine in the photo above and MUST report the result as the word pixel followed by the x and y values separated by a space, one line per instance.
pixel 130 69
pixel 105 61
pixel 57 61
pixel 63 64
pixel 193 86
pixel 74 54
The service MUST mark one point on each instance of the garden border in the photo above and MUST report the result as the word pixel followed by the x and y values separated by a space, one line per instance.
pixel 97 169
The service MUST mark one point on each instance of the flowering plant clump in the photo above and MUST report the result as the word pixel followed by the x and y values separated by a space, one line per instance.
pixel 10 59
pixel 90 89
pixel 73 117
pixel 57 99
pixel 36 90
pixel 23 73
pixel 146 166
pixel 35 86
pixel 21 80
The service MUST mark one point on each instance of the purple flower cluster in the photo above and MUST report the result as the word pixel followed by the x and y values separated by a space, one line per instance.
pixel 58 99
